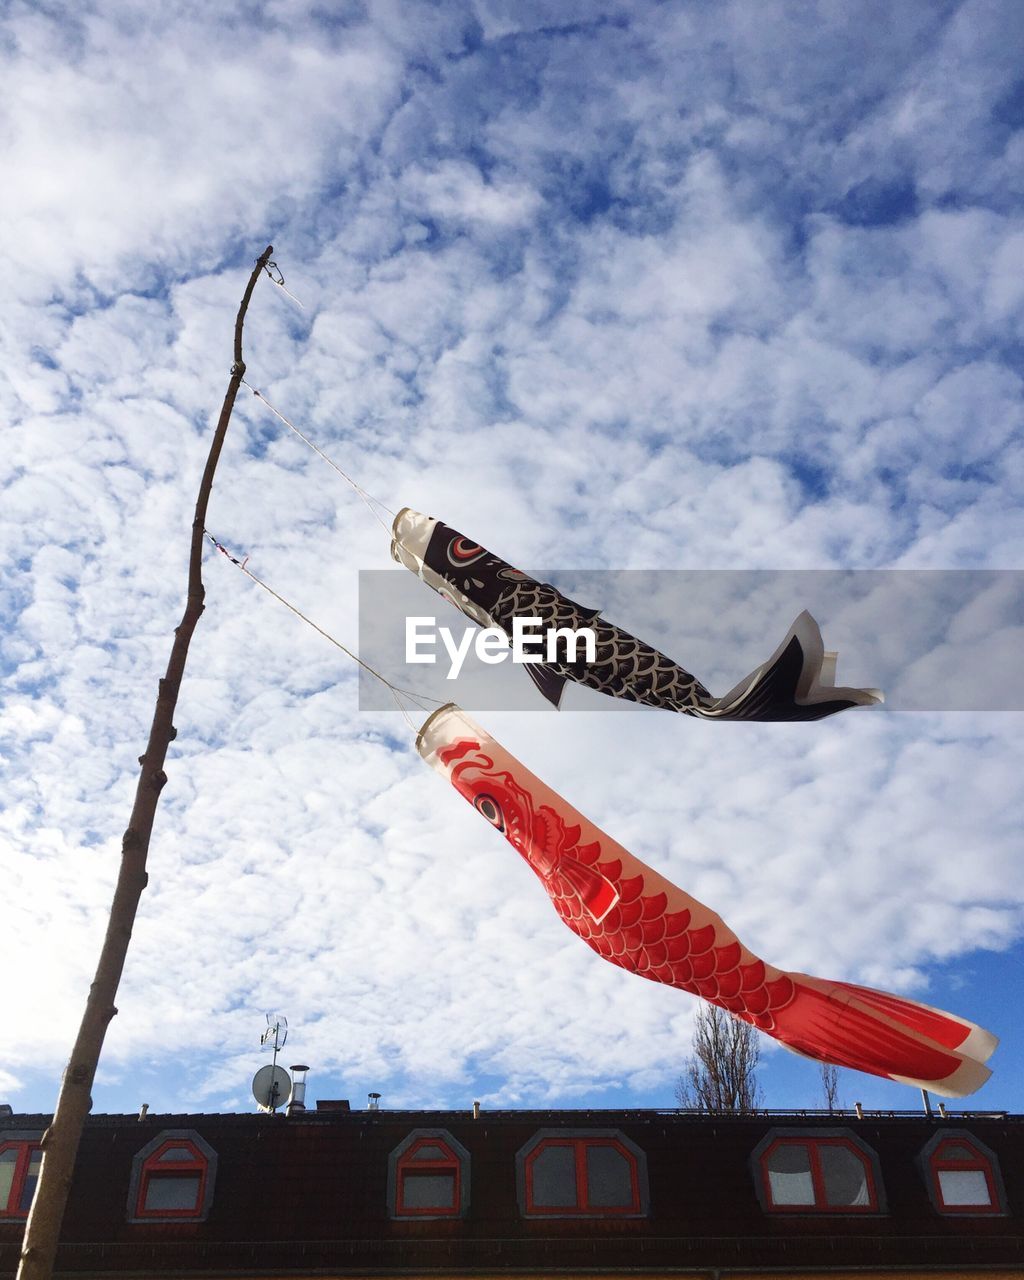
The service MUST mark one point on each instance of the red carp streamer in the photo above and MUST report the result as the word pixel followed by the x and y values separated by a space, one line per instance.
pixel 635 918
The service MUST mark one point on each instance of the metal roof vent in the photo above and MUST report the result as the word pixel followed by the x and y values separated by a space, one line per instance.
pixel 297 1101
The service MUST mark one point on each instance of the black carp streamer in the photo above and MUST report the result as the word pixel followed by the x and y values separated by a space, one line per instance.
pixel 796 683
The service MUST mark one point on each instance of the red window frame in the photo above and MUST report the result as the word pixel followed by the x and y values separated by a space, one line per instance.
pixel 582 1208
pixel 409 1166
pixel 821 1203
pixel 153 1165
pixel 978 1163
pixel 26 1149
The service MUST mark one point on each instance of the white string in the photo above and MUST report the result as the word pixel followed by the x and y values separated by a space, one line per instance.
pixel 282 286
pixel 367 498
pixel 405 714
pixel 270 268
pixel 397 692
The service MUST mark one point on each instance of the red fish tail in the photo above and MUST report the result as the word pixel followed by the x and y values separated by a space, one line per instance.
pixel 884 1035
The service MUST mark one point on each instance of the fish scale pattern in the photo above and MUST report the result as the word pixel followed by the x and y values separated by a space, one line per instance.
pixel 642 935
pixel 624 667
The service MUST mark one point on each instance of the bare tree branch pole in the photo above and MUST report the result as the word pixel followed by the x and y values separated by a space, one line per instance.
pixel 61 1140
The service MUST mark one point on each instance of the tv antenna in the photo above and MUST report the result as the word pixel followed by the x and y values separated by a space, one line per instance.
pixel 276 1033
pixel 271 1085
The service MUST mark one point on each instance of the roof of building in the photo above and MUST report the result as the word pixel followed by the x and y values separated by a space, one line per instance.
pixel 317 1191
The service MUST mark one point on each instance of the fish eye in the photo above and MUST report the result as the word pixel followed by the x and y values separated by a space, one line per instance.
pixel 489 807
pixel 461 551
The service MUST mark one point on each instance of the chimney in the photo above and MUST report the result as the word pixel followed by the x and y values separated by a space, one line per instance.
pixel 859 1110
pixel 142 1110
pixel 476 1110
pixel 374 1102
pixel 297 1101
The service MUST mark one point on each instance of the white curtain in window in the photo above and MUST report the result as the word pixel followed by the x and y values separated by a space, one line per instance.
pixel 964 1187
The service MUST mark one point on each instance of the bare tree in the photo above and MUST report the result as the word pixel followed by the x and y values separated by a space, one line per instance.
pixel 60 1141
pixel 830 1085
pixel 721 1073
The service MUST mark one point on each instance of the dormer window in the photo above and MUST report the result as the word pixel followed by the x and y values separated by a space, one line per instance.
pixel 581 1173
pixel 20 1159
pixel 962 1175
pixel 428 1176
pixel 172 1178
pixel 816 1171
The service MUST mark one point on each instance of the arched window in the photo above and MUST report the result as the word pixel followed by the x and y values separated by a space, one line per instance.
pixel 428 1176
pixel 20 1158
pixel 172 1178
pixel 585 1173
pixel 962 1175
pixel 816 1171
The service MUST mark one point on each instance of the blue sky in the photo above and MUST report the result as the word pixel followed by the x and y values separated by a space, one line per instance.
pixel 608 286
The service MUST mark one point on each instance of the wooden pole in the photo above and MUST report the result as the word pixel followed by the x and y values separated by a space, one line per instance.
pixel 60 1141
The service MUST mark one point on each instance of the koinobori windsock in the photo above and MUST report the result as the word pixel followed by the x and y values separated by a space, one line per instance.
pixel 796 683
pixel 635 918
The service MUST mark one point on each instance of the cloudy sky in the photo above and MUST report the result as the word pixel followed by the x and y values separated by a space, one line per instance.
pixel 607 285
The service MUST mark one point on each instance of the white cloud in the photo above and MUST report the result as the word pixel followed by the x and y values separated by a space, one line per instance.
pixel 458 192
pixel 613 295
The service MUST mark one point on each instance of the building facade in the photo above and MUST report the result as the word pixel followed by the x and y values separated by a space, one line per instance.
pixel 367 1193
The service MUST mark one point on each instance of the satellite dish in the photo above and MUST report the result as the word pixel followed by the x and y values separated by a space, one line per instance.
pixel 271 1087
